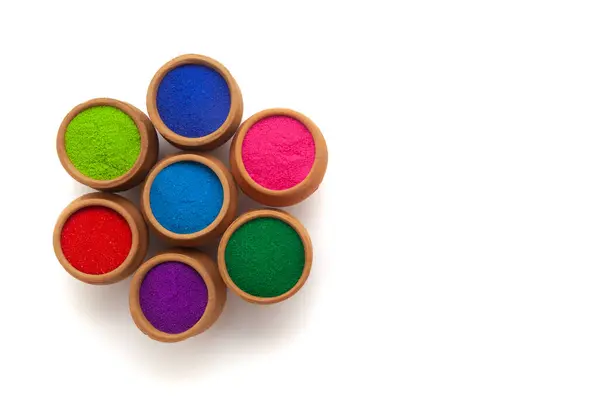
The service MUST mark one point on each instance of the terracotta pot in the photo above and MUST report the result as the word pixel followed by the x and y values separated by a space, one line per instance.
pixel 288 196
pixel 139 236
pixel 145 161
pixel 247 217
pixel 212 140
pixel 217 293
pixel 218 225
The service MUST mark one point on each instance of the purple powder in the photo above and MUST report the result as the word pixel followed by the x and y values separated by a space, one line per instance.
pixel 173 297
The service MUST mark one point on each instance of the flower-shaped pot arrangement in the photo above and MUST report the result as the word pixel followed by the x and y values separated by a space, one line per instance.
pixel 278 157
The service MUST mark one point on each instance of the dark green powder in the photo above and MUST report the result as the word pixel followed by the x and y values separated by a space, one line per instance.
pixel 102 142
pixel 265 257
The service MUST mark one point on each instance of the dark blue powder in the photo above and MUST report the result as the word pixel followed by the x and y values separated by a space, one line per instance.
pixel 186 197
pixel 193 100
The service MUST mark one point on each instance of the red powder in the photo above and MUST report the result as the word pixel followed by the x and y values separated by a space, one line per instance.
pixel 96 240
pixel 278 152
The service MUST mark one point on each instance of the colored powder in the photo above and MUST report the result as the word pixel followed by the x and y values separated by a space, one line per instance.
pixel 173 297
pixel 102 142
pixel 193 100
pixel 186 197
pixel 265 257
pixel 96 240
pixel 278 152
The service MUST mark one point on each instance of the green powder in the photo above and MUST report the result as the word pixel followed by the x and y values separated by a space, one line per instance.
pixel 265 257
pixel 102 142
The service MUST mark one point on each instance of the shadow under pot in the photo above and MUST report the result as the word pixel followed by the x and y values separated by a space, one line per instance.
pixel 189 199
pixel 176 295
pixel 278 157
pixel 100 238
pixel 265 256
pixel 194 102
pixel 107 144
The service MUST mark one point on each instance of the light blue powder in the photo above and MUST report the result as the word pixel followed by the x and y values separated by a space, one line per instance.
pixel 186 197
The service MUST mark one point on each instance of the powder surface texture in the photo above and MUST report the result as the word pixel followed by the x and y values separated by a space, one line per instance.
pixel 193 100
pixel 186 197
pixel 96 240
pixel 102 142
pixel 278 152
pixel 265 257
pixel 173 297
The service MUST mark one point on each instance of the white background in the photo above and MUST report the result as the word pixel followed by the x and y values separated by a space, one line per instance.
pixel 456 233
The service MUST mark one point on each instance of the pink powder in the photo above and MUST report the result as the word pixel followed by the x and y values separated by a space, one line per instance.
pixel 278 152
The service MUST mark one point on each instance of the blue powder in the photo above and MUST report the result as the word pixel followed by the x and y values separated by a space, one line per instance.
pixel 186 197
pixel 193 100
